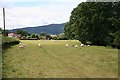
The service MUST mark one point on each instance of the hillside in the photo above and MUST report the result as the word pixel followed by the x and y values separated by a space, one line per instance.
pixel 51 29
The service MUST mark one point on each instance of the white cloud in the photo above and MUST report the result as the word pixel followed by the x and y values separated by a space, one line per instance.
pixel 33 16
pixel 25 16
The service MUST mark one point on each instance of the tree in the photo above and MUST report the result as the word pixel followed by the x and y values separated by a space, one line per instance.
pixel 47 36
pixel 37 36
pixel 43 34
pixel 61 37
pixel 0 29
pixel 28 37
pixel 33 35
pixel 22 32
pixel 96 22
pixel 117 38
pixel 6 32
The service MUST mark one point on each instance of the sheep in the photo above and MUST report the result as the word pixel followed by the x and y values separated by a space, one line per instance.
pixel 66 45
pixel 76 46
pixel 82 45
pixel 21 45
pixel 39 45
pixel 88 45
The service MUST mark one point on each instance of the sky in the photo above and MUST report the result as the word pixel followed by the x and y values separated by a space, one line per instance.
pixel 30 13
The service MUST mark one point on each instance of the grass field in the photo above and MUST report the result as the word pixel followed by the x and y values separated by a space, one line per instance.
pixel 54 60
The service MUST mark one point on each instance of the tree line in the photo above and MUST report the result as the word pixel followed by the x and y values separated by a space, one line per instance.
pixel 95 22
pixel 41 35
pixel 25 35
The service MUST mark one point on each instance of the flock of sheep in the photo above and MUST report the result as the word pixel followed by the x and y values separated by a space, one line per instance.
pixel 76 46
pixel 39 45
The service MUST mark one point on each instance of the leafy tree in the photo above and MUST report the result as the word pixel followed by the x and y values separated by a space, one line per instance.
pixel 37 36
pixel 55 38
pixel 61 37
pixel 42 37
pixel 6 32
pixel 97 22
pixel 28 37
pixel 22 32
pixel 117 39
pixel 47 36
pixel 33 35
pixel 43 34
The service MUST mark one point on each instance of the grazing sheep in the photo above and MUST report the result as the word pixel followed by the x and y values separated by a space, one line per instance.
pixel 88 45
pixel 39 45
pixel 76 46
pixel 66 45
pixel 21 45
pixel 82 45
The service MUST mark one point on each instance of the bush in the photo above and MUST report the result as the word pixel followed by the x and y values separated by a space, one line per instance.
pixel 28 37
pixel 61 37
pixel 7 42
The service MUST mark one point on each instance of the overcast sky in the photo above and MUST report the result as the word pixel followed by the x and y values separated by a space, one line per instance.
pixel 21 13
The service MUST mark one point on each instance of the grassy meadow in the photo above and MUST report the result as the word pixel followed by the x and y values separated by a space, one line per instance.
pixel 54 60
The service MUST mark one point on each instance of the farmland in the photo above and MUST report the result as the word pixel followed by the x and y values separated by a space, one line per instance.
pixel 54 60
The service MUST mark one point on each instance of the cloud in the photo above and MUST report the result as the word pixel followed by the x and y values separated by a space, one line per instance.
pixel 41 14
pixel 33 16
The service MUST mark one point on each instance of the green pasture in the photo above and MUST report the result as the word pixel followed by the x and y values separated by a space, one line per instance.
pixel 54 60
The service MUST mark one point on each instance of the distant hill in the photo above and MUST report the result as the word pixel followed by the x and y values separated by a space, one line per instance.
pixel 51 29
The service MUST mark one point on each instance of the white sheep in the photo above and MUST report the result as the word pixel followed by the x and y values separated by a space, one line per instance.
pixel 82 45
pixel 76 46
pixel 88 45
pixel 21 45
pixel 39 45
pixel 66 45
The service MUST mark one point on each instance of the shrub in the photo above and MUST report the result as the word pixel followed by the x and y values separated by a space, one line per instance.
pixel 7 42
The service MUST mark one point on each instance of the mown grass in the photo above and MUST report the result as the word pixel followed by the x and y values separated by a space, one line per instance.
pixel 54 60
